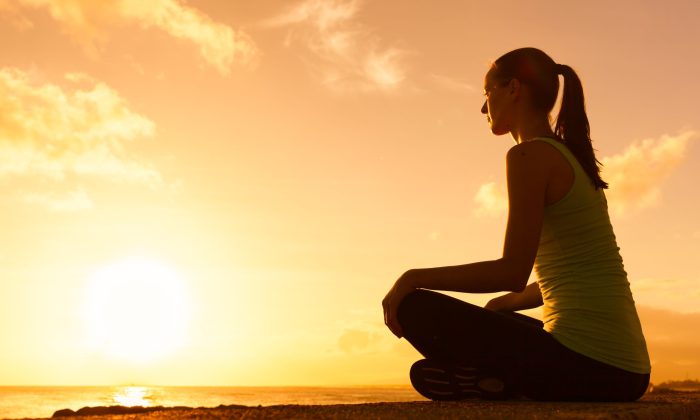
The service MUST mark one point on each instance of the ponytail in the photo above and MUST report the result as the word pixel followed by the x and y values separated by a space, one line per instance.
pixel 573 128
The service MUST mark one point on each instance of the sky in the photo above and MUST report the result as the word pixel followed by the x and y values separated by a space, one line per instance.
pixel 222 192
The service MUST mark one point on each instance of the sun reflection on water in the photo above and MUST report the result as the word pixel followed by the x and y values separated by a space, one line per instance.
pixel 130 396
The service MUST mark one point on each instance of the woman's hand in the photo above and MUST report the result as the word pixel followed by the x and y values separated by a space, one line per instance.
pixel 403 286
pixel 529 298
pixel 495 304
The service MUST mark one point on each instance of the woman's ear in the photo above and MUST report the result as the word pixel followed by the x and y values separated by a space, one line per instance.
pixel 514 86
pixel 515 90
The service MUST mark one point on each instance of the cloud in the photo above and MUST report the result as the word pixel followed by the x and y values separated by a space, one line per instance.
pixel 86 21
pixel 673 348
pixel 343 53
pixel 449 83
pixel 14 15
pixel 77 200
pixel 491 200
pixel 352 339
pixel 680 294
pixel 636 174
pixel 61 134
pixel 368 337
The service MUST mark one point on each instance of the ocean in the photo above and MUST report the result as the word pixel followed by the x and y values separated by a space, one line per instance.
pixel 42 402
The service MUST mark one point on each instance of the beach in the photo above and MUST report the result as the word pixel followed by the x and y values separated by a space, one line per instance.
pixel 655 405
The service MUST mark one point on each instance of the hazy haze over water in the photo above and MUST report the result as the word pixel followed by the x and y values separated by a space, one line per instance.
pixel 21 402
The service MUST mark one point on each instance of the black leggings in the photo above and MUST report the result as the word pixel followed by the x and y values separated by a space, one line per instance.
pixel 514 347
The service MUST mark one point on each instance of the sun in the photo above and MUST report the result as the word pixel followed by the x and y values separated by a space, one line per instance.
pixel 136 309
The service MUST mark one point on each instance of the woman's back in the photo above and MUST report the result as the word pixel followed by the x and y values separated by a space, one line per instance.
pixel 588 305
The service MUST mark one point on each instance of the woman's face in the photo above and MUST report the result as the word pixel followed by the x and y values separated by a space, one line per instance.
pixel 496 104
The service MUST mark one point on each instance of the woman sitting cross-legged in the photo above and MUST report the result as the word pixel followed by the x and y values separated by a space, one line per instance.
pixel 590 345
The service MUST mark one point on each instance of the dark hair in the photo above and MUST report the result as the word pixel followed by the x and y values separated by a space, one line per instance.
pixel 536 69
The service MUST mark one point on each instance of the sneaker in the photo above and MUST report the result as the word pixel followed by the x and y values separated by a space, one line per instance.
pixel 448 382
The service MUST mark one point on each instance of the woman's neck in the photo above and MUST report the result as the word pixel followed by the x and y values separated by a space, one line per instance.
pixel 531 127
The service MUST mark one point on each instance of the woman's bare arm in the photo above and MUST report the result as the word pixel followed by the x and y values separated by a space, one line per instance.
pixel 528 170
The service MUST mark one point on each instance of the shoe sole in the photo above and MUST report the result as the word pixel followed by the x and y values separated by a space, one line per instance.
pixel 442 382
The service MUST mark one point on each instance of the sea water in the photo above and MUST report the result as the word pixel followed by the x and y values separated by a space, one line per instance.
pixel 42 402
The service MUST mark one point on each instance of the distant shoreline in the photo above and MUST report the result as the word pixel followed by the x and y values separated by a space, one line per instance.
pixel 41 402
pixel 666 404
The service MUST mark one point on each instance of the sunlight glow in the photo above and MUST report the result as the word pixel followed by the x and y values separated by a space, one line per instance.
pixel 131 396
pixel 136 310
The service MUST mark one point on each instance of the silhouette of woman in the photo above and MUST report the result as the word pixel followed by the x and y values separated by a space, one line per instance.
pixel 590 346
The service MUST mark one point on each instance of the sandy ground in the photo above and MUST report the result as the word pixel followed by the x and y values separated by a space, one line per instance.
pixel 666 405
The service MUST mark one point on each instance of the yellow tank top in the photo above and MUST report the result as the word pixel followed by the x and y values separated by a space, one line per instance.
pixel 588 305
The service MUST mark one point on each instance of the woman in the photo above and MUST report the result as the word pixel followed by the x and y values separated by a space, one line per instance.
pixel 590 346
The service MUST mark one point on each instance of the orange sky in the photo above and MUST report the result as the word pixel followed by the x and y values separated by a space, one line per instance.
pixel 288 160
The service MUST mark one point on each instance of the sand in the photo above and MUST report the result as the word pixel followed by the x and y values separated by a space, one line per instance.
pixel 662 405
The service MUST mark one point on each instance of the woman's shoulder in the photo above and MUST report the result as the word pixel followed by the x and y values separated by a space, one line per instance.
pixel 543 162
pixel 528 165
pixel 534 151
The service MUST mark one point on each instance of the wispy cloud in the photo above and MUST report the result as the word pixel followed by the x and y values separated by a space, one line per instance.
pixel 491 200
pixel 357 340
pixel 452 84
pixel 636 176
pixel 61 134
pixel 345 54
pixel 637 173
pixel 88 22
pixel 76 200
pixel 678 294
pixel 14 15
pixel 364 337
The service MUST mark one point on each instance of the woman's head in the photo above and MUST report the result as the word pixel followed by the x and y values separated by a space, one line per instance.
pixel 532 77
pixel 521 88
pixel 530 67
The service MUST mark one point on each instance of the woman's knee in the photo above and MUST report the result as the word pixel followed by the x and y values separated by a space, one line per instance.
pixel 421 304
pixel 409 306
pixel 415 306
